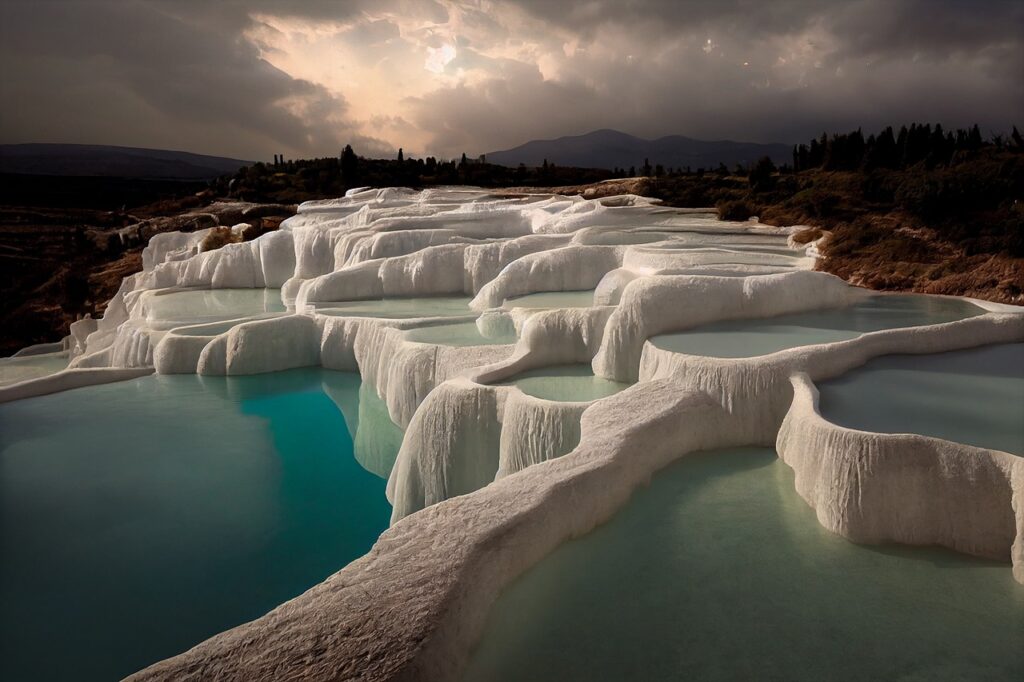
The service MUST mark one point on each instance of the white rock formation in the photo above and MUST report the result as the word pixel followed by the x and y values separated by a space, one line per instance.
pixel 489 479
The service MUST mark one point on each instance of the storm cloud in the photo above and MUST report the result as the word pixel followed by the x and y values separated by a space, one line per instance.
pixel 250 79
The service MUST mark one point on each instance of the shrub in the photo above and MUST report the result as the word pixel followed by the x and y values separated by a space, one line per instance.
pixel 735 210
pixel 218 237
pixel 807 235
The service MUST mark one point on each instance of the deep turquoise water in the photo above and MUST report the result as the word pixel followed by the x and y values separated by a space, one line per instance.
pixel 719 571
pixel 973 396
pixel 139 518
pixel 753 337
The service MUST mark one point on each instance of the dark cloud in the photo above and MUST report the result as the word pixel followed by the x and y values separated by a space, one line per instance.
pixel 156 74
pixel 762 71
pixel 190 74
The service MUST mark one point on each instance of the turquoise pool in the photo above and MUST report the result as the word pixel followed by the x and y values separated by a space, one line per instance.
pixel 971 396
pixel 139 518
pixel 720 571
pixel 753 337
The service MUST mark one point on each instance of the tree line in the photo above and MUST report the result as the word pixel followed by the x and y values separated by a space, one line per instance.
pixel 898 150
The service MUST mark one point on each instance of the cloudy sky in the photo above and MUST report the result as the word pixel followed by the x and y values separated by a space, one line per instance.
pixel 251 79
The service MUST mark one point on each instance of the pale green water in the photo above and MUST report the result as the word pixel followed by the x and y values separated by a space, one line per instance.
pixel 460 334
pixel 754 337
pixel 400 308
pixel 720 571
pixel 139 518
pixel 972 396
pixel 203 305
pixel 15 370
pixel 565 383
pixel 553 299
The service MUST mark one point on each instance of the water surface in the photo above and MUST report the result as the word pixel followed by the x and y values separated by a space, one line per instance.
pixel 972 396
pixel 202 305
pixel 139 518
pixel 16 370
pixel 719 571
pixel 754 337
pixel 399 308
pixel 565 383
pixel 553 299
pixel 462 334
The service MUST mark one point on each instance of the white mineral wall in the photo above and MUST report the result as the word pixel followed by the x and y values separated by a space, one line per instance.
pixel 483 262
pixel 259 346
pixel 450 447
pixel 1017 549
pixel 874 488
pixel 563 269
pixel 535 430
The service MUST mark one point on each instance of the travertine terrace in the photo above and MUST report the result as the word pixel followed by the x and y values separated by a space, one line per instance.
pixel 490 479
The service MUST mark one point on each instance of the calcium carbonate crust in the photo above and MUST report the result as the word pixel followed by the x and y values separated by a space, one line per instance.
pixel 488 479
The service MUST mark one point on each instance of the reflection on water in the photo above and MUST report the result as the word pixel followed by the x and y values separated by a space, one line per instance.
pixel 462 334
pixel 553 299
pixel 565 383
pixel 754 337
pixel 972 396
pixel 204 305
pixel 167 509
pixel 15 370
pixel 399 308
pixel 719 571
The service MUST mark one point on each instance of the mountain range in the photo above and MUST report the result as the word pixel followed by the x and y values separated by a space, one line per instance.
pixel 611 149
pixel 110 161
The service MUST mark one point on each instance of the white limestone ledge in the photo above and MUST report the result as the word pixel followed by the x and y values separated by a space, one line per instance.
pixel 758 389
pixel 906 488
pixel 656 304
pixel 68 379
pixel 412 608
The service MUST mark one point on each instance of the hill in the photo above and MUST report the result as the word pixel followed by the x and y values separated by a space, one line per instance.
pixel 613 149
pixel 109 161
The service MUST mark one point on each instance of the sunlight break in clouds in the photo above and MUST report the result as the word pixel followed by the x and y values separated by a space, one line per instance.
pixel 250 78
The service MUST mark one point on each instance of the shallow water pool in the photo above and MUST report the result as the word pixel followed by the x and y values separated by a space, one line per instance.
pixel 16 370
pixel 720 571
pixel 207 305
pixel 553 299
pixel 971 396
pixel 565 383
pixel 399 308
pixel 461 334
pixel 754 337
pixel 139 518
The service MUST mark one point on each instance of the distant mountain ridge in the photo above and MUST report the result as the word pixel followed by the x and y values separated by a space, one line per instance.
pixel 111 161
pixel 611 148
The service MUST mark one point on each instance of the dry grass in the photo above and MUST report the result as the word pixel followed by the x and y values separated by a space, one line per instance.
pixel 218 237
pixel 807 235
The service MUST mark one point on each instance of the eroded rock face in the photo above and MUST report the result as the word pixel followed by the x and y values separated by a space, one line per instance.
pixel 489 479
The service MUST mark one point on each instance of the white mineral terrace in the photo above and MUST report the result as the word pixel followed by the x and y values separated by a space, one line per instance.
pixel 500 331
